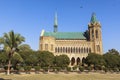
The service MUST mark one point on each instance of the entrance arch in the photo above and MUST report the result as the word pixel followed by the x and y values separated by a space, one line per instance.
pixel 78 61
pixel 83 60
pixel 72 61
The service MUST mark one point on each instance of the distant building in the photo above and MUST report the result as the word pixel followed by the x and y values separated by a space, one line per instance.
pixel 76 45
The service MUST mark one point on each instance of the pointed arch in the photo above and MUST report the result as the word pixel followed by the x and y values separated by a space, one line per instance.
pixel 66 50
pixel 96 33
pixel 61 50
pixel 83 60
pixel 79 50
pixel 78 61
pixel 76 50
pixel 72 61
pixel 89 50
pixel 92 33
pixel 82 50
pixel 98 48
pixel 71 50
pixel 56 50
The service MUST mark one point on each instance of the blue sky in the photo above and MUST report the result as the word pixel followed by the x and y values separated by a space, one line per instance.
pixel 29 17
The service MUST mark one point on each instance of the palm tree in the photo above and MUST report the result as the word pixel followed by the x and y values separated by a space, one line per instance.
pixel 11 41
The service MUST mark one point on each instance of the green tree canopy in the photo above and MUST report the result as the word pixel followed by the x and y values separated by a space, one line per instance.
pixel 61 61
pixel 24 47
pixel 46 58
pixel 11 41
pixel 95 59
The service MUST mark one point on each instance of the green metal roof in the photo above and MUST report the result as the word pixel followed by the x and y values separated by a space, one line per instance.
pixel 93 18
pixel 65 35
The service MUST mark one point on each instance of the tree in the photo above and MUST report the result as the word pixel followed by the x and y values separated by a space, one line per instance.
pixel 112 61
pixel 16 60
pixel 30 58
pixel 61 61
pixel 46 58
pixel 3 59
pixel 113 51
pixel 11 41
pixel 95 59
pixel 24 47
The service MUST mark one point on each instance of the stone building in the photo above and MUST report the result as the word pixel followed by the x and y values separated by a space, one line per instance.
pixel 77 45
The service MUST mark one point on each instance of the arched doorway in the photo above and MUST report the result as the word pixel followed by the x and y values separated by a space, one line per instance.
pixel 78 61
pixel 83 60
pixel 72 61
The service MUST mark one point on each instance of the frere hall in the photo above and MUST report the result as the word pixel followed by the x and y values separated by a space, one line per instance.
pixel 76 45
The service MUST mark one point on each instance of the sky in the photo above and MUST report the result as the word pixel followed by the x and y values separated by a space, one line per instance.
pixel 29 17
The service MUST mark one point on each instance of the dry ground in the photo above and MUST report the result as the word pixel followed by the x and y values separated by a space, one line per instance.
pixel 62 76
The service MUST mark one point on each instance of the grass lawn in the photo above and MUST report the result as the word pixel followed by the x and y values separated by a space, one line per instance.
pixel 62 76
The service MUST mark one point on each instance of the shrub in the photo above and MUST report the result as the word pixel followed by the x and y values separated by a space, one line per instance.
pixel 81 68
pixel 89 68
pixel 45 69
pixel 18 68
pixel 74 68
pixel 58 68
pixel 68 68
pixel 27 68
pixel 105 69
pixel 37 68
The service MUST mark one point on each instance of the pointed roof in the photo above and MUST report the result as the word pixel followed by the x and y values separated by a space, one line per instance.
pixel 55 20
pixel 93 18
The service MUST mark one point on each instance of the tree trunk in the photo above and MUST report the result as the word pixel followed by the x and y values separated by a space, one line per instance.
pixel 9 64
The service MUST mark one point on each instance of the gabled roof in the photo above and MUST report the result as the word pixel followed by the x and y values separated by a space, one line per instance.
pixel 65 35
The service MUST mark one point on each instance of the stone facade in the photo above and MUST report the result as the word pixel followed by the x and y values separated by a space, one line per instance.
pixel 76 48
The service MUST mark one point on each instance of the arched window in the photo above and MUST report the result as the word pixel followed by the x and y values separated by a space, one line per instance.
pixel 76 50
pixel 41 47
pixel 56 49
pixel 51 47
pixel 66 50
pixel 63 49
pixel 92 33
pixel 46 47
pixel 98 48
pixel 72 61
pixel 78 61
pixel 71 50
pixel 81 50
pixel 96 32
pixel 83 60
pixel 89 50
pixel 84 50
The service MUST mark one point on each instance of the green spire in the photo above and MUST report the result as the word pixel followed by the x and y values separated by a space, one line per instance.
pixel 93 18
pixel 55 23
